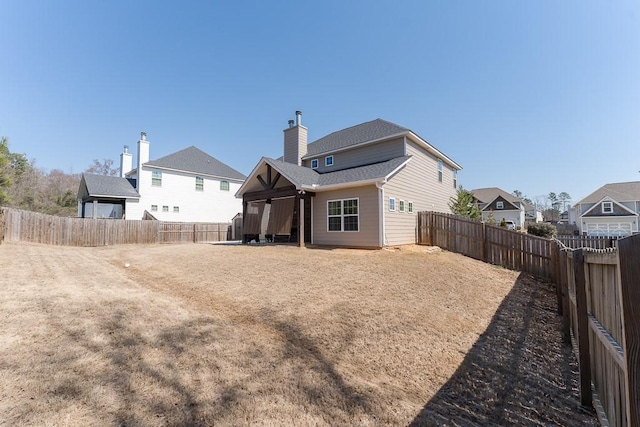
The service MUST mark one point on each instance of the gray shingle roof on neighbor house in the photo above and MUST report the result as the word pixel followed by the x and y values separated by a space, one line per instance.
pixel 364 132
pixel 303 176
pixel 487 195
pixel 194 160
pixel 618 191
pixel 111 186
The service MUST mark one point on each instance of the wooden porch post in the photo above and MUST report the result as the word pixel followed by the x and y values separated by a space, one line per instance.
pixel 95 209
pixel 301 219
pixel 244 218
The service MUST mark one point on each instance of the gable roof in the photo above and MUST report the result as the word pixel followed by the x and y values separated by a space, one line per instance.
pixel 487 195
pixel 618 209
pixel 305 178
pixel 108 186
pixel 620 191
pixel 364 132
pixel 368 132
pixel 196 161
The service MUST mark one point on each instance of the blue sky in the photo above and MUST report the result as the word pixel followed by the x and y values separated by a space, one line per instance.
pixel 537 96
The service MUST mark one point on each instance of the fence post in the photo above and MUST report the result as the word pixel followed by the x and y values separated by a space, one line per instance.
pixel 2 222
pixel 629 270
pixel 195 238
pixel 584 359
pixel 566 312
pixel 555 267
pixel 431 228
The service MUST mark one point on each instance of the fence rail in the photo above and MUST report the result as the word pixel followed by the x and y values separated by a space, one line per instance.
pixel 19 225
pixel 593 242
pixel 496 245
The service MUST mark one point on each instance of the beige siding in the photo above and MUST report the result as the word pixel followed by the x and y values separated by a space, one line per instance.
pixel 295 144
pixel 365 155
pixel 417 182
pixel 368 233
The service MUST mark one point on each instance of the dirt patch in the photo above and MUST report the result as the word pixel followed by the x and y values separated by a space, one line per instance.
pixel 275 335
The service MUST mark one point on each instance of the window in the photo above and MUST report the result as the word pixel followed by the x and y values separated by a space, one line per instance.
pixel 342 215
pixel 607 207
pixel 154 208
pixel 328 161
pixel 392 204
pixel 224 185
pixel 455 179
pixel 199 183
pixel 410 207
pixel 500 205
pixel 314 164
pixel 176 209
pixel 165 208
pixel 156 178
pixel 440 170
pixel 401 205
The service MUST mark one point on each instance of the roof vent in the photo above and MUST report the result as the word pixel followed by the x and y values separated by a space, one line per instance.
pixel 291 122
pixel 143 136
pixel 126 149
pixel 298 118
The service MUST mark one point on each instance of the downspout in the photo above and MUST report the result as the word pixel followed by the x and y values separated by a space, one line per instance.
pixel 381 216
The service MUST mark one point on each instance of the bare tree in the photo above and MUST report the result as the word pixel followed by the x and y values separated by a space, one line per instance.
pixel 103 168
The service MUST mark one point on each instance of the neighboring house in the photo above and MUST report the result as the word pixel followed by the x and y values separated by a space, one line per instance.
pixel 497 203
pixel 611 210
pixel 357 187
pixel 186 186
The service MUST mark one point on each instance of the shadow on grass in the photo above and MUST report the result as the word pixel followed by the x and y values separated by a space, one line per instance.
pixel 197 373
pixel 518 372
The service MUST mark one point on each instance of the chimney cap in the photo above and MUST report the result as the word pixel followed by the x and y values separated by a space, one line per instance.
pixel 298 117
pixel 126 149
pixel 143 136
pixel 291 122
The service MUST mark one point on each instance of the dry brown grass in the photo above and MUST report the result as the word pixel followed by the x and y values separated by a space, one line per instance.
pixel 230 335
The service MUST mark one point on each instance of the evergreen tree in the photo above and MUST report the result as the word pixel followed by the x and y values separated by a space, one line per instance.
pixel 464 204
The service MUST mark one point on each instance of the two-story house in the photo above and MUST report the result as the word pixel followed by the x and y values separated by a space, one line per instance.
pixel 357 187
pixel 186 186
pixel 498 204
pixel 611 210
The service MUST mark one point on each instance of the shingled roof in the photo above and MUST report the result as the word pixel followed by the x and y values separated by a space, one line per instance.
pixel 196 161
pixel 364 132
pixel 487 195
pixel 619 191
pixel 302 176
pixel 107 186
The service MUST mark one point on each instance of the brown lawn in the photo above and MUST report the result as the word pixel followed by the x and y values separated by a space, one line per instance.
pixel 275 335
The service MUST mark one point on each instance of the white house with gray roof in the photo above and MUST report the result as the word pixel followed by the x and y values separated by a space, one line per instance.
pixel 357 187
pixel 611 210
pixel 186 186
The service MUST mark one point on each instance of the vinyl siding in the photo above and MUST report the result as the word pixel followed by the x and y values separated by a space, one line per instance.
pixel 416 182
pixel 295 144
pixel 367 236
pixel 366 155
pixel 179 189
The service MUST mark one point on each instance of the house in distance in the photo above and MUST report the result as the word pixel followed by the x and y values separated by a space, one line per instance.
pixel 186 186
pixel 358 187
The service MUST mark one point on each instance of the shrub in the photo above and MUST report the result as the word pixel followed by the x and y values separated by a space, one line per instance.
pixel 503 223
pixel 542 229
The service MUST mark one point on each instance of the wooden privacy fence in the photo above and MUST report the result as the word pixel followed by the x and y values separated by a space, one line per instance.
pixel 600 302
pixel 34 227
pixel 593 242
pixel 496 245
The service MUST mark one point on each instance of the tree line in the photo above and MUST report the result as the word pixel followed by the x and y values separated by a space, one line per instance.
pixel 24 185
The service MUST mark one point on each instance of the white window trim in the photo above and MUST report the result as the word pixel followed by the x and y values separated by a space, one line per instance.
pixel 202 181
pixel 610 204
pixel 500 205
pixel 342 215
pixel 455 179
pixel 410 207
pixel 228 186
pixel 314 161
pixel 394 204
pixel 326 161
pixel 154 206
pixel 165 206
pixel 176 209
pixel 401 206
pixel 160 178
pixel 440 170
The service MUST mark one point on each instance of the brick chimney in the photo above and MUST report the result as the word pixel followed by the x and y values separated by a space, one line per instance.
pixel 295 141
pixel 126 161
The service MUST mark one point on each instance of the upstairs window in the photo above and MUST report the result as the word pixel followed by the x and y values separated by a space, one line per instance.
pixel 410 207
pixel 440 170
pixel 314 164
pixel 165 208
pixel 392 204
pixel 607 207
pixel 199 183
pixel 500 205
pixel 224 185
pixel 401 206
pixel 455 179
pixel 176 209
pixel 328 161
pixel 154 208
pixel 156 178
